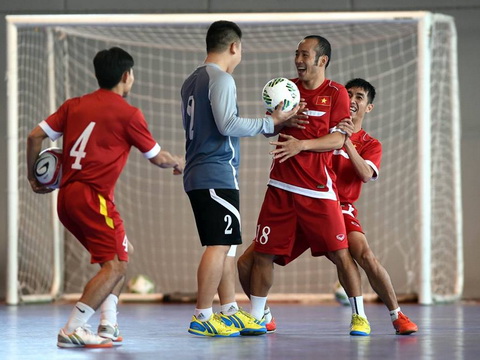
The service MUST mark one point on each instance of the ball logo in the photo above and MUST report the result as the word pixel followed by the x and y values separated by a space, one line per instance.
pixel 48 167
pixel 340 237
pixel 42 168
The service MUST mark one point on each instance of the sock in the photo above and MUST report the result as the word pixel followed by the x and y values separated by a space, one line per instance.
pixel 109 309
pixel 258 306
pixel 394 314
pixel 80 315
pixel 268 315
pixel 203 314
pixel 229 309
pixel 357 305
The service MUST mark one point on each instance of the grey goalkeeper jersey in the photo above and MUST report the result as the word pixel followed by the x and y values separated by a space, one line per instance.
pixel 212 129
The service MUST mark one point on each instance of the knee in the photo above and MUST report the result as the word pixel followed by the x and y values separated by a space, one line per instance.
pixel 244 263
pixel 340 258
pixel 367 259
pixel 263 260
pixel 116 267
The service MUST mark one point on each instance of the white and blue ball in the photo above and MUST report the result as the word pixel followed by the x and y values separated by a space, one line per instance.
pixel 280 89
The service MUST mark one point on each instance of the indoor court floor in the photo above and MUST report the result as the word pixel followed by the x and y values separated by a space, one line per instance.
pixel 159 331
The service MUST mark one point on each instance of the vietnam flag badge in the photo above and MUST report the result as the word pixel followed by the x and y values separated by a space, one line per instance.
pixel 323 100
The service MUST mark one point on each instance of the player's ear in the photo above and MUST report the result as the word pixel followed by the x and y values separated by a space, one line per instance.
pixel 322 61
pixel 125 76
pixel 235 47
pixel 369 108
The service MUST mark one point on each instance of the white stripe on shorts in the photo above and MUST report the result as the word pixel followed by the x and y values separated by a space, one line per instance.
pixel 226 204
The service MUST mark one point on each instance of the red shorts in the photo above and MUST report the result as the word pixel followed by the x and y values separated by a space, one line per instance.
pixel 350 216
pixel 94 221
pixel 290 223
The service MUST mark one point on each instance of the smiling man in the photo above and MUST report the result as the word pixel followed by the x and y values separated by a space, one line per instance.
pixel 301 208
pixel 356 163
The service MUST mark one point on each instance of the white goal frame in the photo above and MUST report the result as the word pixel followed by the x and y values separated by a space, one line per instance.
pixel 424 112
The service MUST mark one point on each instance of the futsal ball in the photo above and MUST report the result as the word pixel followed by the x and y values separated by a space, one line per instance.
pixel 48 167
pixel 280 89
pixel 340 295
pixel 140 284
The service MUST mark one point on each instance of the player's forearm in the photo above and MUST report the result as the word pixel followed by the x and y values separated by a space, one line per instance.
pixel 325 143
pixel 363 170
pixel 166 160
pixel 34 145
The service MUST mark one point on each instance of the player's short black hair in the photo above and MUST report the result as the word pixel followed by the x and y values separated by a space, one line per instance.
pixel 110 65
pixel 221 34
pixel 363 84
pixel 323 47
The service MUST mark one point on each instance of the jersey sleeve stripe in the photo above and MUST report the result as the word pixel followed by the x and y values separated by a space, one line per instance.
pixel 52 134
pixel 153 152
pixel 375 170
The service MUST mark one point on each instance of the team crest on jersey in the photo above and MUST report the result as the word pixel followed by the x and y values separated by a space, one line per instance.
pixel 322 100
pixel 340 237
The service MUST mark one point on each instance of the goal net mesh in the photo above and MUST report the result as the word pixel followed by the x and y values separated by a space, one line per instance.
pixel 156 211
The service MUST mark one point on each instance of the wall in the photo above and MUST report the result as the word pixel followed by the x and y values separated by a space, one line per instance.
pixel 466 13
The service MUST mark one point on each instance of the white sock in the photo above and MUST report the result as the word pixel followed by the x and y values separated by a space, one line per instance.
pixel 357 305
pixel 108 310
pixel 229 309
pixel 394 314
pixel 258 306
pixel 80 315
pixel 268 315
pixel 203 314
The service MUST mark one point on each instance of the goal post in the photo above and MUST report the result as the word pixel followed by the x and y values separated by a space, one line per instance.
pixel 412 214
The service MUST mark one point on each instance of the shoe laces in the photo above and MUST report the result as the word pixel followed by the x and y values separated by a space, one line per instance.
pixel 85 328
pixel 218 320
pixel 360 319
pixel 250 316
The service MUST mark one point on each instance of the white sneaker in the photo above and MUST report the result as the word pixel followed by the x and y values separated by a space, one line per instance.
pixel 82 337
pixel 109 331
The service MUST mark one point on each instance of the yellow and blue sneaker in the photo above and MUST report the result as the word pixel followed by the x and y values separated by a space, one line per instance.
pixel 214 326
pixel 359 326
pixel 245 323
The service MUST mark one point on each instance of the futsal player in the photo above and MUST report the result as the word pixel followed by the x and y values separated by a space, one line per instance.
pixel 98 131
pixel 301 208
pixel 356 163
pixel 213 129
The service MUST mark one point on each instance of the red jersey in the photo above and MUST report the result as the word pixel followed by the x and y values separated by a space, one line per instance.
pixel 310 173
pixel 349 185
pixel 98 131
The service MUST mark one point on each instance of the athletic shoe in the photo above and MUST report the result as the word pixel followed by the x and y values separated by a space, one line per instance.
pixel 359 326
pixel 82 337
pixel 403 325
pixel 215 326
pixel 245 323
pixel 107 330
pixel 271 326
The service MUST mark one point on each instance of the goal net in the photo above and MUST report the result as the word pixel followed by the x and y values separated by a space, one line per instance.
pixel 412 214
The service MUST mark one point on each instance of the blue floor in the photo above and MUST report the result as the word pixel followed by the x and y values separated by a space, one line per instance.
pixel 159 331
